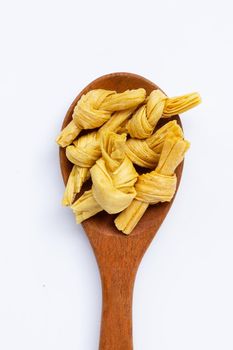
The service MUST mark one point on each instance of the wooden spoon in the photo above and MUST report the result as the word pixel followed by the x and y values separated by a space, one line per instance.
pixel 118 256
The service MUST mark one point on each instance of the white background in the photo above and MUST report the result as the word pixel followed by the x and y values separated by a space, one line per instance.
pixel 50 293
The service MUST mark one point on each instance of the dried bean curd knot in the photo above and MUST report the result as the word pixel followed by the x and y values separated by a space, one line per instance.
pixel 154 187
pixel 146 153
pixel 95 108
pixel 113 177
pixel 157 106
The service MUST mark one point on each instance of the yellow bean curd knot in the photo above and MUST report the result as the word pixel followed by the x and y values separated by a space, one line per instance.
pixel 157 106
pixel 113 177
pixel 85 150
pixel 154 187
pixel 146 153
pixel 95 108
pixel 157 186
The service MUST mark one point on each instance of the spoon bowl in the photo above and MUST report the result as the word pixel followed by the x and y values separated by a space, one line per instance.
pixel 118 256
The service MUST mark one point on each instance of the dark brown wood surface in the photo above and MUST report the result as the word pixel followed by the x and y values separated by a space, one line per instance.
pixel 118 255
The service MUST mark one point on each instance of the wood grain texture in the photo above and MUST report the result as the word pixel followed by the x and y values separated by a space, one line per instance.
pixel 118 256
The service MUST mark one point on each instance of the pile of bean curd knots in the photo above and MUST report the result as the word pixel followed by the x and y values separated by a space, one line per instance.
pixel 124 136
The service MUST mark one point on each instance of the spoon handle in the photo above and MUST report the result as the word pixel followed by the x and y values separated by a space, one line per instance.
pixel 117 289
pixel 118 258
